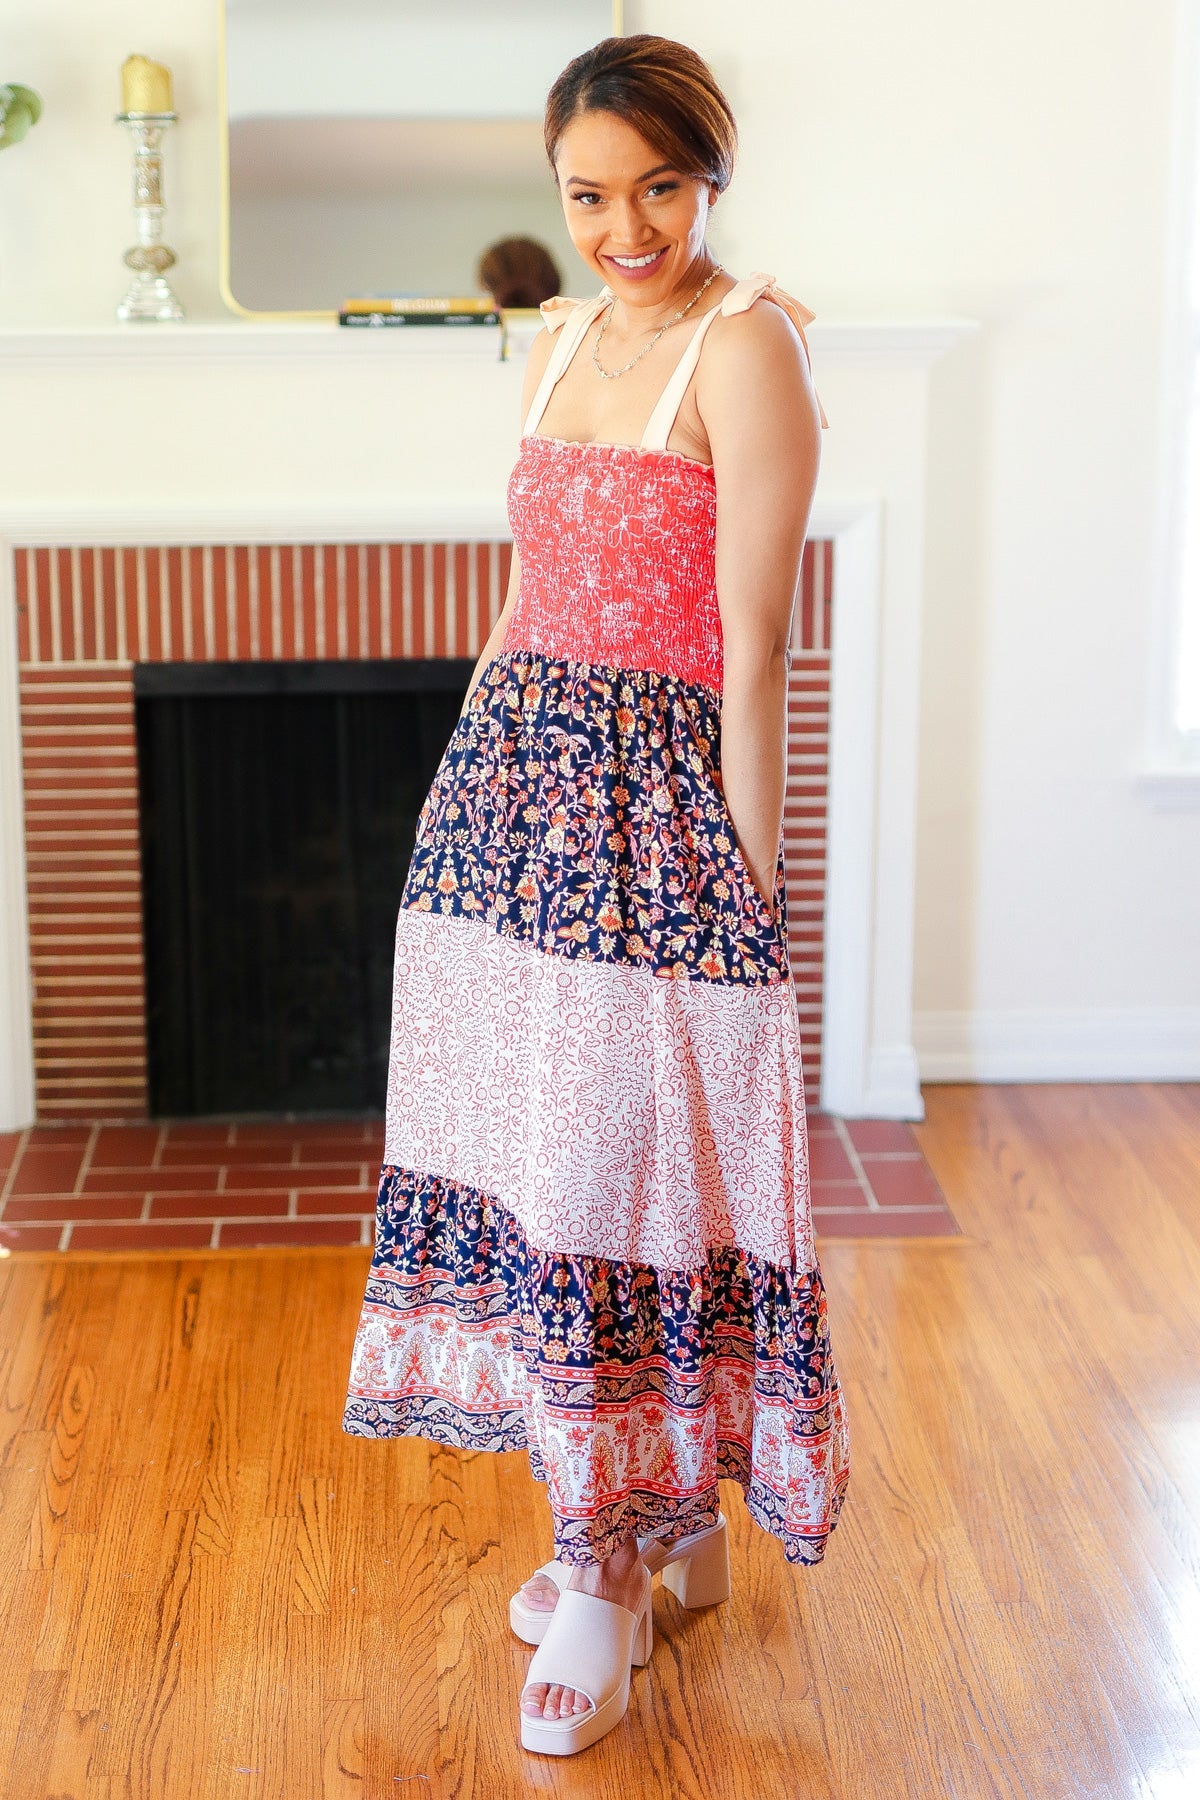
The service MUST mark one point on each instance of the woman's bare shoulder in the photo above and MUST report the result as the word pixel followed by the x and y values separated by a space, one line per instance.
pixel 757 357
pixel 760 336
pixel 755 391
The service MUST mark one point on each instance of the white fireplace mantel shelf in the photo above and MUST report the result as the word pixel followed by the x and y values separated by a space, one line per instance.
pixel 915 341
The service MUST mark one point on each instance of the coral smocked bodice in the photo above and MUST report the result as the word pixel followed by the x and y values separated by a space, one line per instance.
pixel 617 542
pixel 617 550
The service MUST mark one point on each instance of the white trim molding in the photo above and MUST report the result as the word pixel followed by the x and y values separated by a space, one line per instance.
pixel 1135 1043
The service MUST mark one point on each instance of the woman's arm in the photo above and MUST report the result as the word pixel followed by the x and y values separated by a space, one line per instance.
pixel 539 356
pixel 756 399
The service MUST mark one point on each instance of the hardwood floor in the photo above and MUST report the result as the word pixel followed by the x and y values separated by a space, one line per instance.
pixel 207 1590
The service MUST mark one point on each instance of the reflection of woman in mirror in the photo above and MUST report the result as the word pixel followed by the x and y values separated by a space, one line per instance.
pixel 594 1233
pixel 518 271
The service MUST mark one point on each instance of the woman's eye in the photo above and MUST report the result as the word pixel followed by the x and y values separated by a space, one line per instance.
pixel 584 198
pixel 663 187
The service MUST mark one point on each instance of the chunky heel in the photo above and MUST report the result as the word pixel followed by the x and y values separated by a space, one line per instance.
pixel 699 1575
pixel 643 1638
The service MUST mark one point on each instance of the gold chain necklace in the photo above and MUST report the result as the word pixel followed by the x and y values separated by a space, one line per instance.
pixel 611 374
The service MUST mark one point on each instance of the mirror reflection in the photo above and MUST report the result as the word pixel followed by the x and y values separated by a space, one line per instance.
pixel 384 146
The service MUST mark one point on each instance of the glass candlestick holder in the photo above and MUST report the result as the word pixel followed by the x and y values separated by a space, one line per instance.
pixel 150 294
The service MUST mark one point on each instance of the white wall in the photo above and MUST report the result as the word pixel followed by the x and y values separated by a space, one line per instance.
pixel 1009 165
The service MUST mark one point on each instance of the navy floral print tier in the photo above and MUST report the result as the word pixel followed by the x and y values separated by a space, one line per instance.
pixel 594 1238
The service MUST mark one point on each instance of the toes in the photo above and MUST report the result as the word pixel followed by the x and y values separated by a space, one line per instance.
pixel 534 1698
pixel 541 1592
pixel 553 1701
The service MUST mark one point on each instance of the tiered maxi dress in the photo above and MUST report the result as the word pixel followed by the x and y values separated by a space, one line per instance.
pixel 594 1238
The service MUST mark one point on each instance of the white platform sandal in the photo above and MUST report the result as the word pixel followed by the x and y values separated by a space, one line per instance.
pixel 695 1568
pixel 590 1645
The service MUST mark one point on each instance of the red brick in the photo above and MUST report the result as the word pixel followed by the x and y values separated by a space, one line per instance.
pixel 182 1131
pixel 141 1237
pixel 153 649
pixel 908 1182
pixel 218 1206
pixel 41 1170
pixel 241 650
pixel 41 562
pixel 195 1154
pixel 287 604
pixel 838 1194
pixel 328 555
pixel 21 597
pixel 329 1151
pixel 76 1206
pixel 827 1161
pixel 288 1175
pixel 161 1181
pixel 29 1237
pixel 135 649
pixel 875 1135
pixel 290 1231
pixel 372 561
pixel 125 1146
pixel 222 650
pixel 173 562
pixel 360 1201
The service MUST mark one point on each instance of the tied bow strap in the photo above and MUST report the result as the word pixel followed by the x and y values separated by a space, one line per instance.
pixel 743 295
pixel 558 309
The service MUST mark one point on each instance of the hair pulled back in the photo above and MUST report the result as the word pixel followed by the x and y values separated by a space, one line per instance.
pixel 663 89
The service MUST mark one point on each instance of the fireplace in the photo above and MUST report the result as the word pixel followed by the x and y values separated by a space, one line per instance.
pixel 103 630
pixel 279 803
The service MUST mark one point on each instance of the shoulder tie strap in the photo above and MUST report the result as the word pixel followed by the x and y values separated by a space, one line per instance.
pixel 575 316
pixel 740 298
pixel 661 422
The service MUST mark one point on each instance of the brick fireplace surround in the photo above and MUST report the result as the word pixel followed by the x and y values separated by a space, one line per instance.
pixel 87 614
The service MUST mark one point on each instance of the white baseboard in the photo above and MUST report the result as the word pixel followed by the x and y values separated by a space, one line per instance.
pixel 1137 1043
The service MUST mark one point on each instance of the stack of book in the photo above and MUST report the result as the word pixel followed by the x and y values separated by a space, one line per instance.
pixel 391 310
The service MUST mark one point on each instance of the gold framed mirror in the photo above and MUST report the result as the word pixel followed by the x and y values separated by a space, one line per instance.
pixel 379 148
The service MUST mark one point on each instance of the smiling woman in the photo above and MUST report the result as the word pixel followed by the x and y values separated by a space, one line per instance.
pixel 594 1235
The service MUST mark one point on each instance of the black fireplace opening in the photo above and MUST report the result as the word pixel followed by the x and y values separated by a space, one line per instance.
pixel 279 804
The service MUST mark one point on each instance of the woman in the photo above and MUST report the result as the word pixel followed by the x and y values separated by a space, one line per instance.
pixel 594 1238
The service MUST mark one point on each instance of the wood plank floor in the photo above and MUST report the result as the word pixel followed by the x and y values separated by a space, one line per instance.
pixel 207 1590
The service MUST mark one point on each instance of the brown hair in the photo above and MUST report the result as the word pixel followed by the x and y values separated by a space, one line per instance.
pixel 663 89
pixel 518 271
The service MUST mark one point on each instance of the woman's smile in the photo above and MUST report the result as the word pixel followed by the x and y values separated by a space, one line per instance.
pixel 636 268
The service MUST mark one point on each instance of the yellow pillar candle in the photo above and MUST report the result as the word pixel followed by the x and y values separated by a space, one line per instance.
pixel 145 85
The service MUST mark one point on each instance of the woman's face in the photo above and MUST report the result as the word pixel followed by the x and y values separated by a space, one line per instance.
pixel 632 217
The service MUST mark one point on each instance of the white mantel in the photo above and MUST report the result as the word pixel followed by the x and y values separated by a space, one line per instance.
pixel 248 432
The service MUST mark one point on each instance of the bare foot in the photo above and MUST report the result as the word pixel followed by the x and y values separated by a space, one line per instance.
pixel 620 1578
pixel 541 1592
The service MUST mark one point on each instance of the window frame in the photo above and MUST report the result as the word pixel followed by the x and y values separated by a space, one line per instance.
pixel 1171 765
